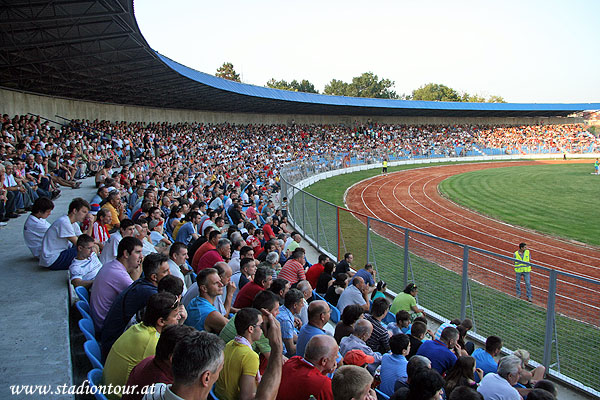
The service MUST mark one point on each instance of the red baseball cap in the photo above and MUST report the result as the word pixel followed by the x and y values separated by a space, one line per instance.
pixel 357 357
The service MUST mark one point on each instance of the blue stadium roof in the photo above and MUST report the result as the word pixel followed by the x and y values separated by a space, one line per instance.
pixel 94 50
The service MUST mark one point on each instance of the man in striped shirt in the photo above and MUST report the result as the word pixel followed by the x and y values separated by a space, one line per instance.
pixel 293 269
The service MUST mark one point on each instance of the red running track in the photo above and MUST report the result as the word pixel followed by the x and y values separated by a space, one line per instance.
pixel 411 199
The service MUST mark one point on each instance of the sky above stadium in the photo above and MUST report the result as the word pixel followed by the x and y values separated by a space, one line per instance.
pixel 525 51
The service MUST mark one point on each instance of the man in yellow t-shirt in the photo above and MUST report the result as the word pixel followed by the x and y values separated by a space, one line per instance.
pixel 139 341
pixel 240 375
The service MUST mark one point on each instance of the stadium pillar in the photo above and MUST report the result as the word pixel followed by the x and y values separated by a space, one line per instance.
pixel 549 334
pixel 465 283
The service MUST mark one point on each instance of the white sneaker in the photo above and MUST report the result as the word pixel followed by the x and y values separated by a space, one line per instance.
pixel 3 223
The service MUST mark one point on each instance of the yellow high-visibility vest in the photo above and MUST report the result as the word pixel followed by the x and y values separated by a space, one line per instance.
pixel 385 164
pixel 519 266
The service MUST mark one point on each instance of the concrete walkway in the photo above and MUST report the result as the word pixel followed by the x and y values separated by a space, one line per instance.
pixel 34 310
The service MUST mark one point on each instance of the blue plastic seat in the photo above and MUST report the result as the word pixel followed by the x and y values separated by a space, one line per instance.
pixel 389 318
pixel 84 309
pixel 95 379
pixel 92 351
pixel 87 328
pixel 335 314
pixel 83 294
pixel 212 395
pixel 381 395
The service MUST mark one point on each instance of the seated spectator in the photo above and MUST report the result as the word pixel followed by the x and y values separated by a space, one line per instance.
pixel 178 254
pixel 427 384
pixel 393 366
pixel 280 287
pixel 326 279
pixel 546 385
pixel 202 313
pixel 357 293
pixel 416 336
pixel 139 341
pixel 114 277
pixel 293 270
pixel 264 300
pixel 303 377
pixel 99 229
pixel 117 210
pixel 453 323
pixel 461 374
pixel 379 291
pixel 157 368
pixel 224 300
pixel 380 339
pixel 358 358
pixel 213 239
pixel 465 393
pixel 345 326
pixel 406 301
pixel 315 271
pixel 272 261
pixel 528 378
pixel 188 231
pixel 36 225
pixel 358 341
pixel 402 324
pixel 337 287
pixel 221 253
pixel 244 252
pixel 240 376
pixel 499 386
pixel 292 243
pixel 484 358
pixel 109 251
pixel 294 301
pixel 306 289
pixel 318 316
pixel 415 364
pixel 540 394
pixel 262 281
pixel 442 352
pixel 59 243
pixel 86 265
pixel 244 275
pixel 132 299
pixel 352 382
pixel 368 275
pixel 345 265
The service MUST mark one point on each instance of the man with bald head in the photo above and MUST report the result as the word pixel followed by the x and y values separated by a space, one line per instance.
pixel 358 341
pixel 357 293
pixel 305 376
pixel 318 316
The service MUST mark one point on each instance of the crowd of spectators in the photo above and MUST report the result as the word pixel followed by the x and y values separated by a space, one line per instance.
pixel 196 279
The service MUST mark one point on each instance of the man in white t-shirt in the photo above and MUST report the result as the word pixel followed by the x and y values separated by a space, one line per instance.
pixel 58 250
pixel 36 225
pixel 86 264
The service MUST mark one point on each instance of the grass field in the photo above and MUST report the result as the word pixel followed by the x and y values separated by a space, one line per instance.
pixel 520 324
pixel 560 200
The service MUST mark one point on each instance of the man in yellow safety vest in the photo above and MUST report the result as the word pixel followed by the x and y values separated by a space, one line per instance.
pixel 384 170
pixel 524 270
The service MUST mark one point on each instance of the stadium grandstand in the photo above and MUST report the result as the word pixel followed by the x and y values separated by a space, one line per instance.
pixel 139 157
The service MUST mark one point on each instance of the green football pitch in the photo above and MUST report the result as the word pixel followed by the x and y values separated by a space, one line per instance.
pixel 559 200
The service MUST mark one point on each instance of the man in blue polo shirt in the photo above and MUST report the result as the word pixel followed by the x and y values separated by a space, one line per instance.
pixel 485 358
pixel 293 302
pixel 368 275
pixel 318 315
pixel 442 353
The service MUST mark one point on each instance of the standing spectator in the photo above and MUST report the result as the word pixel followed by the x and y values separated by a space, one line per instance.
pixel 358 293
pixel 499 386
pixel 303 377
pixel 58 246
pixel 523 270
pixel 485 357
pixel 393 366
pixel 36 225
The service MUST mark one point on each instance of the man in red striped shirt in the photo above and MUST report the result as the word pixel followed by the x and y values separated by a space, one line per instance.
pixel 293 269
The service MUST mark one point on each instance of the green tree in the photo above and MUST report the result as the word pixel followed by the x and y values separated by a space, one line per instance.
pixel 227 71
pixel 303 86
pixel 336 88
pixel 435 92
pixel 496 99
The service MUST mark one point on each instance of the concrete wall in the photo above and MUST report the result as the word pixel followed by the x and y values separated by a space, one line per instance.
pixel 16 102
